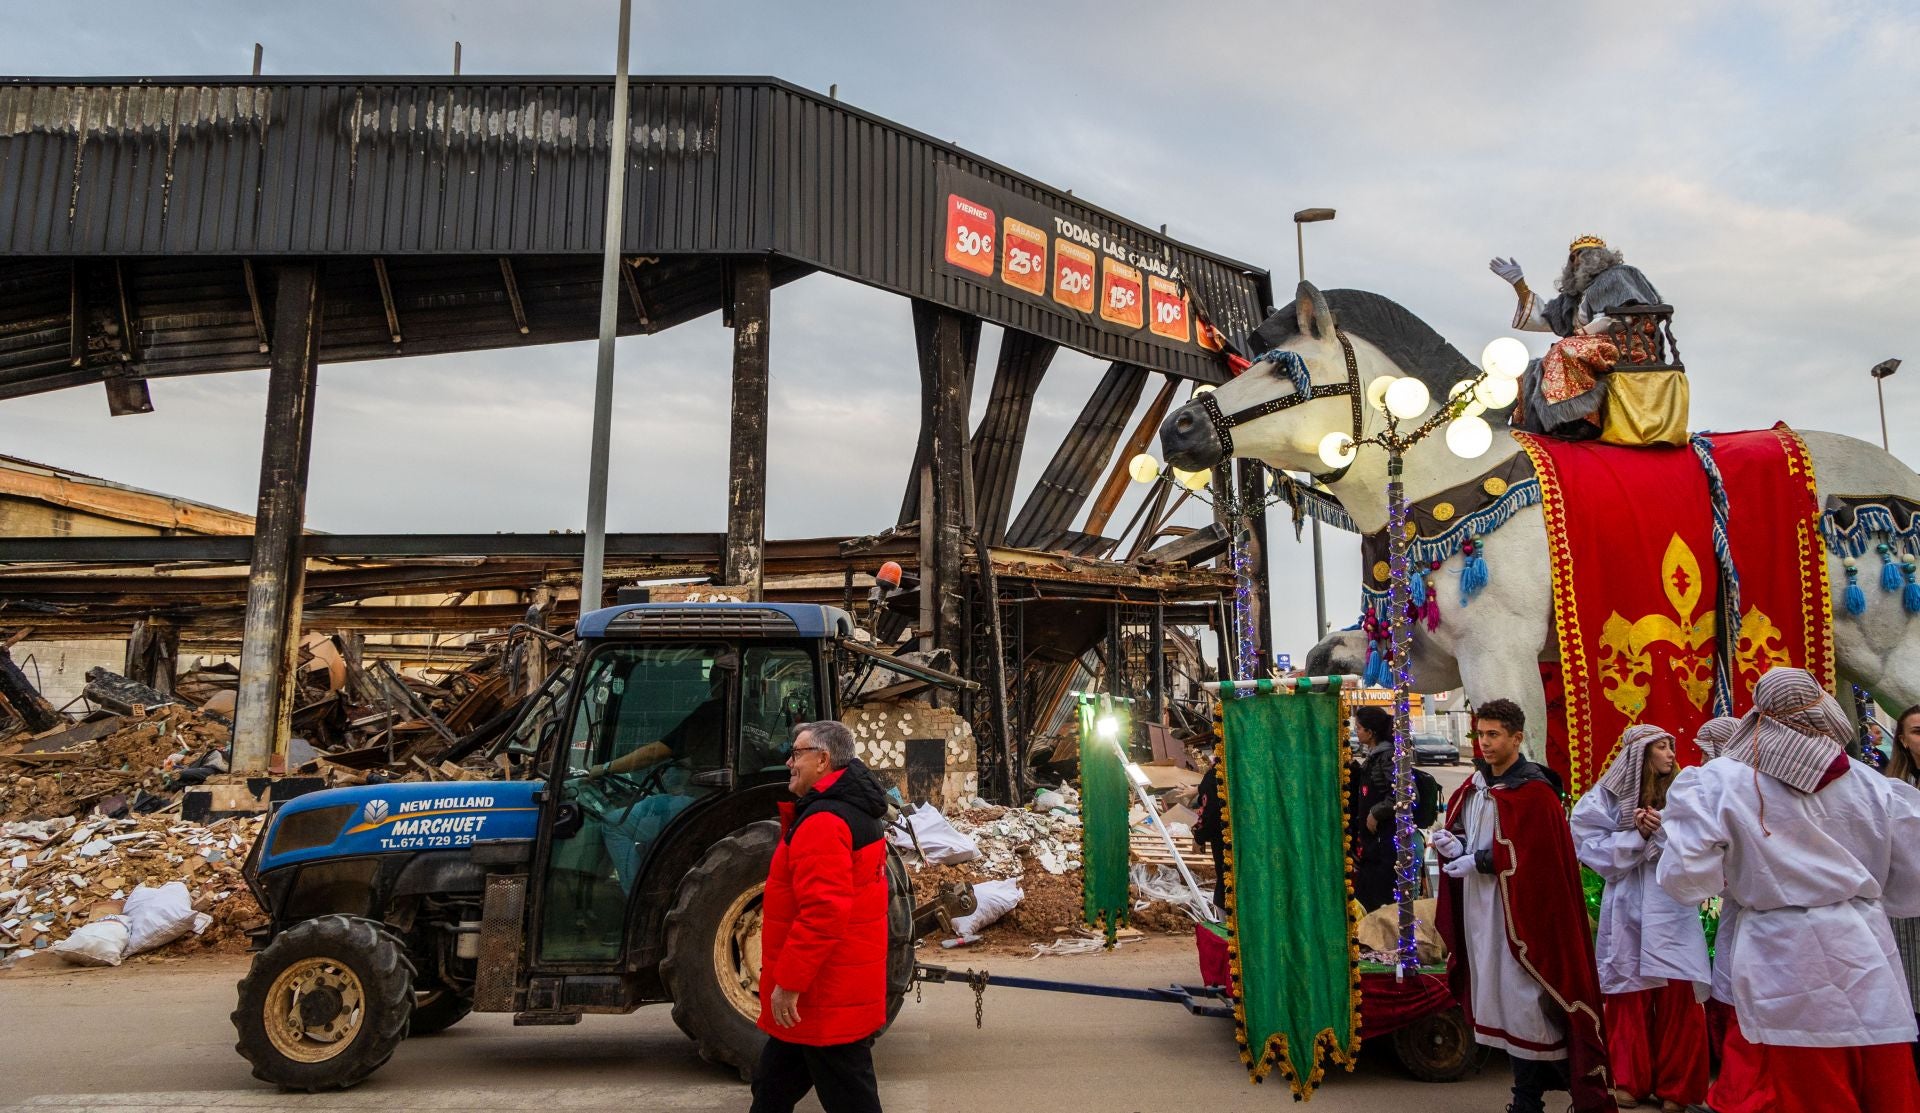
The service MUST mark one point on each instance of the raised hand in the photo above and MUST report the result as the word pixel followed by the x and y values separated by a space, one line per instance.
pixel 1508 269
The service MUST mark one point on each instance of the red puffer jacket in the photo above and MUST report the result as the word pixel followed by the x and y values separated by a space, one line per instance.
pixel 824 931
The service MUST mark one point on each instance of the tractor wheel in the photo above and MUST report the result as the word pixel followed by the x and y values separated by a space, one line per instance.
pixel 1436 1048
pixel 899 934
pixel 712 967
pixel 436 1010
pixel 325 1004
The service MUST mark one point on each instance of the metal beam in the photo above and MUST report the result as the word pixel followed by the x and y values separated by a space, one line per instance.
pixel 271 637
pixel 1117 476
pixel 1002 435
pixel 945 374
pixel 512 284
pixel 742 565
pixel 925 315
pixel 1076 466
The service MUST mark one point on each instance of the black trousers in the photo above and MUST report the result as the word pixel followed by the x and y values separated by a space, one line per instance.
pixel 1219 876
pixel 842 1073
pixel 1532 1078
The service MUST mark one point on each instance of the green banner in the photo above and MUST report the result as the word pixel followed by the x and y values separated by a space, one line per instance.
pixel 1295 965
pixel 1105 800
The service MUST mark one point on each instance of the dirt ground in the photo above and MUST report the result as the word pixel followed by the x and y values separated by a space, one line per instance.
pixel 157 1037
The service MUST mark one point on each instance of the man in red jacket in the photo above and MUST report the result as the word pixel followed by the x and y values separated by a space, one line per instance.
pixel 823 973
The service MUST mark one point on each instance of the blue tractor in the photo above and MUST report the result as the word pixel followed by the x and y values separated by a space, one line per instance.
pixel 627 872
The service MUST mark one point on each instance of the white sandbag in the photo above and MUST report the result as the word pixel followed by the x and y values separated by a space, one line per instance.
pixel 942 842
pixel 157 916
pixel 992 900
pixel 100 943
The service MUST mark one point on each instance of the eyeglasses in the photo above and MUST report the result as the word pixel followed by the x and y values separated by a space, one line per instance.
pixel 798 750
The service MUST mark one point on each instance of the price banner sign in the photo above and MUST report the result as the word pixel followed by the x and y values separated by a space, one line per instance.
pixel 1073 269
pixel 969 235
pixel 1121 294
pixel 1023 262
pixel 1167 309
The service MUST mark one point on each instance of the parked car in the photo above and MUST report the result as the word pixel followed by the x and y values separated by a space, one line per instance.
pixel 1434 749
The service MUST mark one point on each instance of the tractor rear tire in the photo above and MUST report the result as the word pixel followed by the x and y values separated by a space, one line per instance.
pixel 718 910
pixel 325 1004
pixel 1436 1048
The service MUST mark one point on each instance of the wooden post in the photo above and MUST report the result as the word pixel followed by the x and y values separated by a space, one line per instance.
pixel 153 654
pixel 270 638
pixel 1253 493
pixel 747 467
pixel 943 391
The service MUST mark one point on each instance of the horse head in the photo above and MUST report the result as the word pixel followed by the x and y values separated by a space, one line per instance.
pixel 1256 415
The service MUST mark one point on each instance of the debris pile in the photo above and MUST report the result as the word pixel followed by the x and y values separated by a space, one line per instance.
pixel 56 875
pixel 145 759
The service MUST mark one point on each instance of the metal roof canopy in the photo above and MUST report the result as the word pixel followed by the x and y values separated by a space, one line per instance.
pixel 464 213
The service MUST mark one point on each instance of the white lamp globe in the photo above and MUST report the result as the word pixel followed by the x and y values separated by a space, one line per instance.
pixel 1336 450
pixel 1192 480
pixel 1407 398
pixel 1504 358
pixel 1495 392
pixel 1144 468
pixel 1469 437
pixel 1377 391
pixel 1204 388
pixel 1473 407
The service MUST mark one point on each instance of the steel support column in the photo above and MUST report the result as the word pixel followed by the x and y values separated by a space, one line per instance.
pixel 747 466
pixel 944 381
pixel 271 635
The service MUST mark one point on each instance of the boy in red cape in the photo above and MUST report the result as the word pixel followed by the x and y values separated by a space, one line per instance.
pixel 1514 918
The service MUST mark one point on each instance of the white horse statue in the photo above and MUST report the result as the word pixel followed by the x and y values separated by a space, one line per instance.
pixel 1494 647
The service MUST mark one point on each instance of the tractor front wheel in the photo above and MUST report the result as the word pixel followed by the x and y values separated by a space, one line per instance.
pixel 325 1004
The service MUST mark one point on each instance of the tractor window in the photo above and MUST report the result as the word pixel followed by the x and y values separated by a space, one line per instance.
pixel 778 691
pixel 647 720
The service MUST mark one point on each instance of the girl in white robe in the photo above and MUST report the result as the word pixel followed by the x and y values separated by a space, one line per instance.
pixel 1818 851
pixel 1651 949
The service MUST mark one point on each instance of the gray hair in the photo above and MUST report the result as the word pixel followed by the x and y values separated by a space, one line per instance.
pixel 1584 266
pixel 835 736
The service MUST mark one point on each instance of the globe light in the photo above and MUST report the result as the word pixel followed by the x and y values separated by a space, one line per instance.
pixel 1407 398
pixel 1336 450
pixel 1144 468
pixel 1377 391
pixel 1504 358
pixel 1469 437
pixel 1203 388
pixel 1192 480
pixel 1495 392
pixel 1473 407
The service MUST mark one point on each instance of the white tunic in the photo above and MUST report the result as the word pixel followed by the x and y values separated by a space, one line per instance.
pixel 1509 1007
pixel 1817 964
pixel 1646 937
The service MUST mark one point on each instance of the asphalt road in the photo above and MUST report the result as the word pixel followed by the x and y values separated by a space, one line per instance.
pixel 157 1037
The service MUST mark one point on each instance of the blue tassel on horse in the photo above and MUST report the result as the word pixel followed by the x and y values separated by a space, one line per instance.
pixel 1473 571
pixel 1376 673
pixel 1417 585
pixel 1856 600
pixel 1910 597
pixel 1890 575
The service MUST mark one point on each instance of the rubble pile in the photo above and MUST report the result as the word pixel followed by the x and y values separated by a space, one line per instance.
pixel 140 762
pixel 58 874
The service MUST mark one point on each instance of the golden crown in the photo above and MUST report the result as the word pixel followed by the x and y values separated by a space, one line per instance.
pixel 1585 242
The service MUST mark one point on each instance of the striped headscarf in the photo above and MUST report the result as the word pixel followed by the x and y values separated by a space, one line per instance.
pixel 1794 731
pixel 1713 734
pixel 1624 772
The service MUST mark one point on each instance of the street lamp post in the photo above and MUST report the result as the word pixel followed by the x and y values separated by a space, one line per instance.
pixel 1313 216
pixel 1880 372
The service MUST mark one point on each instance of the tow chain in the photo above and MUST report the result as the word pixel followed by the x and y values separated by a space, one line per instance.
pixel 979 983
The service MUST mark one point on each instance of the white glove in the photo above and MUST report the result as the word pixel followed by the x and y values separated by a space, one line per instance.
pixel 1461 866
pixel 1446 844
pixel 1508 269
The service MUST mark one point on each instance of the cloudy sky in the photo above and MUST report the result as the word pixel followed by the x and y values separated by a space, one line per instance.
pixel 1760 160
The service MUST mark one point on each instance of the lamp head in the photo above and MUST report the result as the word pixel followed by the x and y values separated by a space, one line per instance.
pixel 1885 367
pixel 1310 216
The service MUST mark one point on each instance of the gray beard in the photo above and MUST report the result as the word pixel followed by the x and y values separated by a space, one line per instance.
pixel 1584 266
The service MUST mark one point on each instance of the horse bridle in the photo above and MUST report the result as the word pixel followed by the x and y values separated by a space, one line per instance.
pixel 1224 424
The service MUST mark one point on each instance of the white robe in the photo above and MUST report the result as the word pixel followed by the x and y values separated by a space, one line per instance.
pixel 1817 966
pixel 1646 937
pixel 1509 1007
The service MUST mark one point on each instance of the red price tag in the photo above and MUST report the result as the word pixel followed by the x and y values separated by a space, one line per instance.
pixel 1023 263
pixel 1167 309
pixel 1121 295
pixel 970 229
pixel 1073 276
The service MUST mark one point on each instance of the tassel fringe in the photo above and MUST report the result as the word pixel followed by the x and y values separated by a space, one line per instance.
pixel 1856 599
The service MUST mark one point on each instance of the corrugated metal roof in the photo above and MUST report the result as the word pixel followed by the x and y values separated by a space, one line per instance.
pixel 475 168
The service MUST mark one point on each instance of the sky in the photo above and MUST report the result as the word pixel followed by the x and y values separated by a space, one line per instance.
pixel 1759 160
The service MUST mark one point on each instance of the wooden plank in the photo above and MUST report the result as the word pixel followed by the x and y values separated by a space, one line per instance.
pixel 1079 461
pixel 1117 477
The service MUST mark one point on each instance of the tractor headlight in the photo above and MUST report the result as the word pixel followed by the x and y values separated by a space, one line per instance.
pixel 306 830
